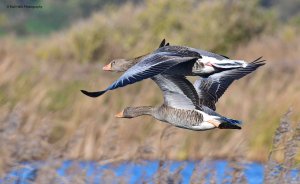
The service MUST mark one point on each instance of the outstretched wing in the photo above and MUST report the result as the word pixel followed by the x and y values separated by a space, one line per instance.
pixel 178 92
pixel 212 88
pixel 149 66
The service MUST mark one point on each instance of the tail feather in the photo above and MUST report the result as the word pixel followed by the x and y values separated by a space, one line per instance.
pixel 230 124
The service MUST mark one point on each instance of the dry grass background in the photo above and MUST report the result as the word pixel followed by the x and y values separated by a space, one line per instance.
pixel 44 115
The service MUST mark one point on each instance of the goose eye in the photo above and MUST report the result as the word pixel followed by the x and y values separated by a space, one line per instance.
pixel 113 62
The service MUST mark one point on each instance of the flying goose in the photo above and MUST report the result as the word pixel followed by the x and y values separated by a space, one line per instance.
pixel 181 107
pixel 207 63
pixel 211 88
pixel 172 60
pixel 150 66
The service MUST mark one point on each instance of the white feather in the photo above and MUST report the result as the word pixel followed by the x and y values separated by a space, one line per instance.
pixel 222 63
pixel 204 126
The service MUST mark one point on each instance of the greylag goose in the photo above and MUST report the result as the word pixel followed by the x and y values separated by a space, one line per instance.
pixel 181 107
pixel 150 66
pixel 211 88
pixel 177 61
pixel 207 63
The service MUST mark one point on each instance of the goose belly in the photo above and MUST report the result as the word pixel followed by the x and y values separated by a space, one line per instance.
pixel 188 119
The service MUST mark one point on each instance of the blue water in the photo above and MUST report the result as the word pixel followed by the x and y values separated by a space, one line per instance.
pixel 134 172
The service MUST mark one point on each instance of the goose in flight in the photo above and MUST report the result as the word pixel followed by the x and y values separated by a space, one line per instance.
pixel 175 61
pixel 207 63
pixel 181 107
pixel 211 88
pixel 150 66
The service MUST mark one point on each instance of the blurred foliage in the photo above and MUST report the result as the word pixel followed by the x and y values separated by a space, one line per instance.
pixel 60 98
pixel 47 75
pixel 295 21
pixel 286 9
pixel 217 26
pixel 54 15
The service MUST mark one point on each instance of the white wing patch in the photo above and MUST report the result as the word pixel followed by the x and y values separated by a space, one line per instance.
pixel 224 63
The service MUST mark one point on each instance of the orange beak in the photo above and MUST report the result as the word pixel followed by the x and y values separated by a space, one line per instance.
pixel 107 67
pixel 119 115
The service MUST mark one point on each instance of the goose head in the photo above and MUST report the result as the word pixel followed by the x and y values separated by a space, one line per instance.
pixel 129 112
pixel 122 65
pixel 132 112
pixel 120 115
pixel 118 65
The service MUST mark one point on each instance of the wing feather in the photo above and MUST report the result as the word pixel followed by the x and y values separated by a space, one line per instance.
pixel 178 91
pixel 150 66
pixel 212 88
pixel 191 52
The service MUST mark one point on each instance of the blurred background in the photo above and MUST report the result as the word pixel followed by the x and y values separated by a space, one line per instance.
pixel 48 54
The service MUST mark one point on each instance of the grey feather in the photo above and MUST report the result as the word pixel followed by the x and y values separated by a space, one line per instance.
pixel 212 88
pixel 191 52
pixel 178 92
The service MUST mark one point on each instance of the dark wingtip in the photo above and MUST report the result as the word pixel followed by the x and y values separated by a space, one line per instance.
pixel 259 61
pixel 93 94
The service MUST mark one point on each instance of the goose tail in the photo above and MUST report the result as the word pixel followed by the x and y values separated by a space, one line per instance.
pixel 227 123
